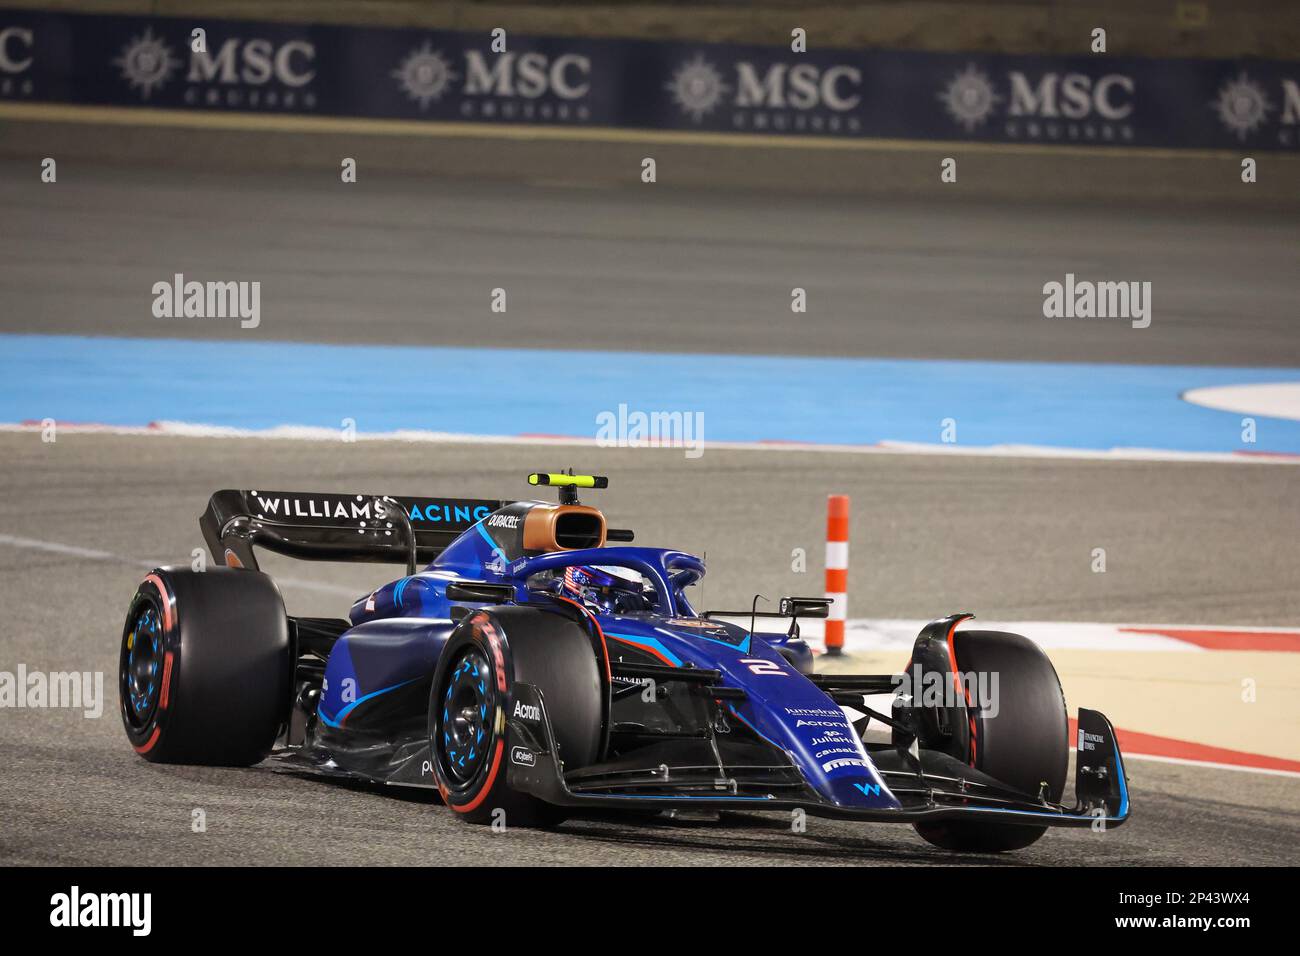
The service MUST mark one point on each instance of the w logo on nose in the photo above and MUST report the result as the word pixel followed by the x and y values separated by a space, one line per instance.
pixel 869 789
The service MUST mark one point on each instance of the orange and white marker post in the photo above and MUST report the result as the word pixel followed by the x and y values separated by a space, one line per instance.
pixel 837 571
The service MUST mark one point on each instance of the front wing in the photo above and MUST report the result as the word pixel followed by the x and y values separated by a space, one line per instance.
pixel 928 785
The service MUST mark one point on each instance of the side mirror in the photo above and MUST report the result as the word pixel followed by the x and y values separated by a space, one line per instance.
pixel 805 607
pixel 479 592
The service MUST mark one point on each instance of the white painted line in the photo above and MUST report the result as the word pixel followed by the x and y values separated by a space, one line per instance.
pixel 878 733
pixel 872 635
pixel 72 551
pixel 90 554
pixel 1186 761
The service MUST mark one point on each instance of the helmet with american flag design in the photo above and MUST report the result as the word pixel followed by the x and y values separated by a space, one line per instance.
pixel 604 587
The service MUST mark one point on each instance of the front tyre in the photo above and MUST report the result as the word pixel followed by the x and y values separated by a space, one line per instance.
pixel 469 706
pixel 1025 744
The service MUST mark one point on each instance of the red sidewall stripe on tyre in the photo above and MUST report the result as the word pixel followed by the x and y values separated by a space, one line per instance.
pixel 487 784
pixel 484 627
pixel 166 681
pixel 146 747
pixel 168 614
pixel 169 618
pixel 957 684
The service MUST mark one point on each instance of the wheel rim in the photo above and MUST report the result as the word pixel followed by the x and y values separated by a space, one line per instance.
pixel 466 725
pixel 142 666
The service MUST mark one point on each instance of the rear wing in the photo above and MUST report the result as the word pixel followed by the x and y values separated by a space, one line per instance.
pixel 330 526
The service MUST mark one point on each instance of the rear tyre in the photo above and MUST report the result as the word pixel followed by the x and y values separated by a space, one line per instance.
pixel 470 700
pixel 204 669
pixel 1025 745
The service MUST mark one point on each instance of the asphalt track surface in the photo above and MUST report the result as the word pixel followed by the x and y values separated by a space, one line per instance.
pixel 1007 538
pixel 403 260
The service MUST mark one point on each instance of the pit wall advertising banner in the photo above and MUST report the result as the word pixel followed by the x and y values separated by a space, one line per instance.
pixel 439 76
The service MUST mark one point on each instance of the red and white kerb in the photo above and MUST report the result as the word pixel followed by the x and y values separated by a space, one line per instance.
pixel 837 570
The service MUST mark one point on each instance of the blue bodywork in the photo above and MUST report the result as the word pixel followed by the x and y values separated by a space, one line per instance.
pixel 399 630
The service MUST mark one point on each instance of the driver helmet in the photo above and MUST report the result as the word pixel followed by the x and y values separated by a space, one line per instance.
pixel 605 588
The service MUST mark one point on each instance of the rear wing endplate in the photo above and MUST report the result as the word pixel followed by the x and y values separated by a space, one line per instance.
pixel 332 526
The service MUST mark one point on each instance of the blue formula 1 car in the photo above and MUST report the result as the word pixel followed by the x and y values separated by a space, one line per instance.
pixel 539 665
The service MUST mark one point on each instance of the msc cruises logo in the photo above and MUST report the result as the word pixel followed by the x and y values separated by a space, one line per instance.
pixel 697 88
pixel 1242 106
pixel 1043 106
pixel 800 97
pixel 1247 107
pixel 147 63
pixel 499 86
pixel 970 97
pixel 425 75
pixel 251 73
